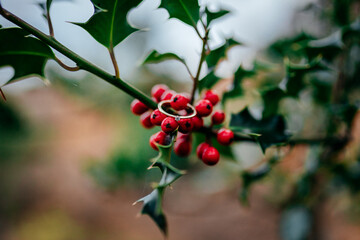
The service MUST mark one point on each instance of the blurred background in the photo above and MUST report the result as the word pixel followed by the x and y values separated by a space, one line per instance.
pixel 73 158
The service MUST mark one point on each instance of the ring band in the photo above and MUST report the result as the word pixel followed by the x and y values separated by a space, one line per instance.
pixel 177 117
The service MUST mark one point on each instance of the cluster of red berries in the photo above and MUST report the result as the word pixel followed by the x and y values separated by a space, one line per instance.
pixel 180 103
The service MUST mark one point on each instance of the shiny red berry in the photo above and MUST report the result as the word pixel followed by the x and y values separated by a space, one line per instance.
pixel 145 120
pixel 204 108
pixel 167 95
pixel 201 148
pixel 158 90
pixel 138 107
pixel 210 156
pixel 182 147
pixel 169 125
pixel 183 136
pixel 212 97
pixel 185 125
pixel 179 102
pixel 225 136
pixel 157 117
pixel 218 117
pixel 197 122
pixel 159 138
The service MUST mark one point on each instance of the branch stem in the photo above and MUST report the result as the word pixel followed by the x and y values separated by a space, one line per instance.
pixel 81 62
pixel 114 62
pixel 202 58
pixel 2 94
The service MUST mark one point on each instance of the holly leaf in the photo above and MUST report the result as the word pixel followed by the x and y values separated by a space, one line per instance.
pixel 25 54
pixel 267 132
pixel 271 98
pixel 236 88
pixel 156 57
pixel 216 55
pixel 152 203
pixel 187 11
pixel 210 16
pixel 208 81
pixel 152 206
pixel 109 25
pixel 295 74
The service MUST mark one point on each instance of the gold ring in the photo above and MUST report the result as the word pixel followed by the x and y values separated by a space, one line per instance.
pixel 177 117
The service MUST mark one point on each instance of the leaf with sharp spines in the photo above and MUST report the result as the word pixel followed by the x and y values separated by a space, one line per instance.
pixel 295 74
pixel 208 81
pixel 156 57
pixel 153 202
pixel 271 98
pixel 109 25
pixel 210 16
pixel 152 206
pixel 217 54
pixel 187 11
pixel 236 89
pixel 25 54
pixel 267 131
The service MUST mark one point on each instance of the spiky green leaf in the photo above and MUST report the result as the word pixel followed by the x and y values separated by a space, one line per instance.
pixel 219 53
pixel 208 81
pixel 25 54
pixel 267 131
pixel 109 25
pixel 210 16
pixel 156 57
pixel 186 11
pixel 152 203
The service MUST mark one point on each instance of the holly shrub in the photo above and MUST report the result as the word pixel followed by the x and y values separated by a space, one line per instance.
pixel 326 70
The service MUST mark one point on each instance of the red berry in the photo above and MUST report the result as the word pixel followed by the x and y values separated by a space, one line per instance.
pixel 158 90
pixel 218 117
pixel 157 117
pixel 158 138
pixel 183 136
pixel 182 147
pixel 201 148
pixel 185 125
pixel 212 97
pixel 210 156
pixel 225 136
pixel 138 107
pixel 204 108
pixel 197 122
pixel 169 125
pixel 167 95
pixel 179 102
pixel 145 120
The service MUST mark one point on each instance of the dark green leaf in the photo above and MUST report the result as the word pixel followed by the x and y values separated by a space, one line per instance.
pixel 295 74
pixel 26 55
pixel 291 48
pixel 341 11
pixel 271 99
pixel 210 16
pixel 109 25
pixel 152 206
pixel 296 223
pixel 208 81
pixel 236 89
pixel 156 57
pixel 267 131
pixel 153 202
pixel 216 55
pixel 186 11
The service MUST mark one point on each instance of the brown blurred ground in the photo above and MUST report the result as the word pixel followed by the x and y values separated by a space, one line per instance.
pixel 65 204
